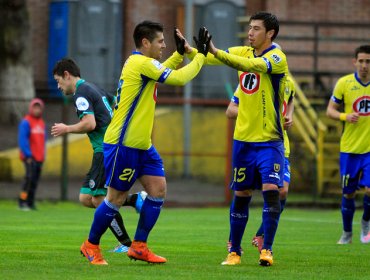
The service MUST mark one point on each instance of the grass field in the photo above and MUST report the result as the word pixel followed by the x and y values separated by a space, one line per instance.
pixel 44 244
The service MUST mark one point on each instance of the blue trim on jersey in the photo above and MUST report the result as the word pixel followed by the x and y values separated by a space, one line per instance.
pixel 275 81
pixel 235 99
pixel 358 80
pixel 268 49
pixel 268 64
pixel 164 75
pixel 336 100
pixel 137 52
pixel 132 109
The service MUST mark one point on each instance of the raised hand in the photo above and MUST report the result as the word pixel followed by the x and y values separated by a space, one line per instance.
pixel 203 40
pixel 180 43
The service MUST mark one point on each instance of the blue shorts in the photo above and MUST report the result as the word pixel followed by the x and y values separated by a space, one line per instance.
pixel 255 164
pixel 123 165
pixel 287 170
pixel 354 171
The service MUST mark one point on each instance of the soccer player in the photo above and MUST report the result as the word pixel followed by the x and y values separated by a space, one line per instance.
pixel 128 151
pixel 32 146
pixel 288 108
pixel 258 149
pixel 94 109
pixel 353 93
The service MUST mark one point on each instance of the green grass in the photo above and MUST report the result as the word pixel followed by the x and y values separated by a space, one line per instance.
pixel 44 244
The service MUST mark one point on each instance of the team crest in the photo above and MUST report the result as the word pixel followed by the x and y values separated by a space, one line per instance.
pixel 276 167
pixel 362 106
pixel 249 82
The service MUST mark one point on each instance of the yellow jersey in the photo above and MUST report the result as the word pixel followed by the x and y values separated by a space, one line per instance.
pixel 133 117
pixel 288 95
pixel 356 98
pixel 261 91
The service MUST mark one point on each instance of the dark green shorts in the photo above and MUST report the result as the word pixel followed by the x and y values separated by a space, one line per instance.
pixel 94 183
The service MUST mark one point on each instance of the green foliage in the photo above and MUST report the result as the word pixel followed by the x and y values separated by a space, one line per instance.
pixel 44 244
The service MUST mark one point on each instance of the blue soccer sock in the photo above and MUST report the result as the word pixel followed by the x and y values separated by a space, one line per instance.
pixel 348 211
pixel 270 217
pixel 260 230
pixel 103 217
pixel 148 217
pixel 366 215
pixel 239 212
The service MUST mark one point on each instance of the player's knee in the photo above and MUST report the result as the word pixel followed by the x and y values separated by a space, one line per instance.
pixel 350 195
pixel 283 193
pixel 86 200
pixel 272 201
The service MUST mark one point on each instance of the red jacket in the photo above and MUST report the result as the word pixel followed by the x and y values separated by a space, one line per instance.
pixel 32 138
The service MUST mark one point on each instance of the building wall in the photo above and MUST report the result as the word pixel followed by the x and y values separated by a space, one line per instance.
pixel 39 17
pixel 169 12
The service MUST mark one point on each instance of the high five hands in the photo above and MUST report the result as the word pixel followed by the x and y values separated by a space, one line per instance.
pixel 203 42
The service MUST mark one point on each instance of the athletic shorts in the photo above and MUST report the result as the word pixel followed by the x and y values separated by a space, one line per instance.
pixel 255 164
pixel 123 165
pixel 94 183
pixel 287 170
pixel 354 171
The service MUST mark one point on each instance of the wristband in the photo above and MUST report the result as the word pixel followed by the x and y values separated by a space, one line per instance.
pixel 343 117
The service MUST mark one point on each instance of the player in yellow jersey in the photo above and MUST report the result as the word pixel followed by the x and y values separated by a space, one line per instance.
pixel 353 93
pixel 288 108
pixel 128 151
pixel 258 150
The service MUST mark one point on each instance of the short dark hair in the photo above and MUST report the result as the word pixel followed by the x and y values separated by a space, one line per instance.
pixel 146 29
pixel 66 64
pixel 270 22
pixel 362 49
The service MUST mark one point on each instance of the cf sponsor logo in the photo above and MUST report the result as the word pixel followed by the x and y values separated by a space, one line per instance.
pixel 362 106
pixel 249 82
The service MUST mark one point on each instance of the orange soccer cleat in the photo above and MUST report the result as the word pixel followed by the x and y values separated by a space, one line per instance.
pixel 92 253
pixel 139 251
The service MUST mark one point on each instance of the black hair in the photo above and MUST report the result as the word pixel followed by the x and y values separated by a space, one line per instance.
pixel 362 49
pixel 146 29
pixel 270 22
pixel 66 64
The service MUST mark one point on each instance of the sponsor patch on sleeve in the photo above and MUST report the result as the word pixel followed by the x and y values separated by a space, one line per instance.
pixel 82 104
pixel 276 58
pixel 157 64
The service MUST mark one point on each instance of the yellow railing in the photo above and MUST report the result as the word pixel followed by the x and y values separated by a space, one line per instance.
pixel 312 131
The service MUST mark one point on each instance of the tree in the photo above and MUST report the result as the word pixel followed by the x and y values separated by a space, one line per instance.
pixel 16 79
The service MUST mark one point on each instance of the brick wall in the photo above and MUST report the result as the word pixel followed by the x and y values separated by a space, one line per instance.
pixel 167 12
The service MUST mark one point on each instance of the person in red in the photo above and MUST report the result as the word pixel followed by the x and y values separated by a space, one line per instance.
pixel 31 141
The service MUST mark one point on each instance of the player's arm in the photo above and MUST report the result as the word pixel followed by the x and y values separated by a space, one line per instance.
pixel 24 139
pixel 288 118
pixel 332 111
pixel 232 110
pixel 86 124
pixel 258 64
pixel 173 61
